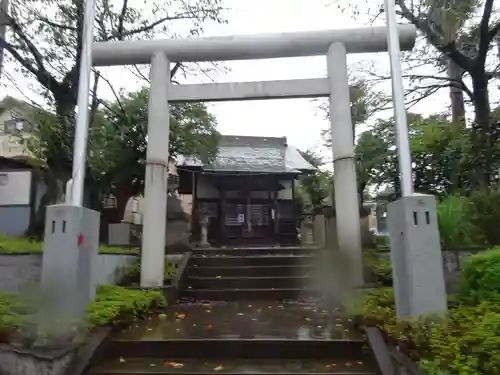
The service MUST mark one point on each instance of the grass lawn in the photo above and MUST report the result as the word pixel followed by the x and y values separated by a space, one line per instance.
pixel 25 245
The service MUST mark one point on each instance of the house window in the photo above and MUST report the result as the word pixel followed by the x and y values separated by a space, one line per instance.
pixel 16 125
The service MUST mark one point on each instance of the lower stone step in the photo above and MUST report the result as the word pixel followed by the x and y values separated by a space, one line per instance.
pixel 264 250
pixel 236 349
pixel 224 282
pixel 198 366
pixel 234 294
pixel 254 260
pixel 251 271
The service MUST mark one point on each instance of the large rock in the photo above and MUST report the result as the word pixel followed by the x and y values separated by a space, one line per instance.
pixel 177 232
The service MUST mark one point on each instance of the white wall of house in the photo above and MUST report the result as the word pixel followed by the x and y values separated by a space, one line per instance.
pixel 15 188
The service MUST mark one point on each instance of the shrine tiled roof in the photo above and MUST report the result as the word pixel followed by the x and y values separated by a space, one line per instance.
pixel 253 155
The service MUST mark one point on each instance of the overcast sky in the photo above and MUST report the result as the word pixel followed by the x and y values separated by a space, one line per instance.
pixel 298 119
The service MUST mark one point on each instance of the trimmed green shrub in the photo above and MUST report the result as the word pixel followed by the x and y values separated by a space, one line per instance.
pixel 484 213
pixel 480 277
pixel 118 305
pixel 466 342
pixel 131 273
pixel 379 267
pixel 26 245
pixel 113 305
pixel 455 226
pixel 14 315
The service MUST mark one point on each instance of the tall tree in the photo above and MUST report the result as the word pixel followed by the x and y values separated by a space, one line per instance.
pixel 463 32
pixel 118 140
pixel 316 186
pixel 441 155
pixel 364 101
pixel 46 45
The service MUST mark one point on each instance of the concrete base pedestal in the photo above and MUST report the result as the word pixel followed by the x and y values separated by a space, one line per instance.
pixel 70 252
pixel 416 257
pixel 119 234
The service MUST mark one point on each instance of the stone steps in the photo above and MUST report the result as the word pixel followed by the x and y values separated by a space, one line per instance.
pixel 192 366
pixel 242 337
pixel 249 273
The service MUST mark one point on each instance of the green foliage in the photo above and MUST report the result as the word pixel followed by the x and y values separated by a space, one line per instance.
pixel 131 273
pixel 380 267
pixel 314 188
pixel 45 46
pixel 466 341
pixel 14 315
pixel 480 277
pixel 440 154
pixel 19 245
pixel 470 221
pixel 462 32
pixel 485 214
pixel 26 245
pixel 113 305
pixel 373 308
pixel 118 305
pixel 455 226
pixel 119 140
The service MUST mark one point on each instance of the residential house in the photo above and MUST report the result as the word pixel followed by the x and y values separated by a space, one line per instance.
pixel 14 126
pixel 247 192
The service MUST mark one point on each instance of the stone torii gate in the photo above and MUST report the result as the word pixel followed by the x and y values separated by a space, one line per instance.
pixel 335 44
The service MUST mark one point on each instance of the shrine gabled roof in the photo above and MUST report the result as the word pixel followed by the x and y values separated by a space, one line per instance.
pixel 252 155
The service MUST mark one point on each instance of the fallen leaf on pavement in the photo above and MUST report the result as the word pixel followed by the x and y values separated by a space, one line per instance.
pixel 209 326
pixel 218 368
pixel 122 360
pixel 181 316
pixel 174 364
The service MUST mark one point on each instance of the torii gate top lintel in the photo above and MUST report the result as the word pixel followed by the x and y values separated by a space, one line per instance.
pixel 247 47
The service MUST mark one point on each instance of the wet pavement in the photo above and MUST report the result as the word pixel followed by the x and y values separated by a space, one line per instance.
pixel 196 365
pixel 266 320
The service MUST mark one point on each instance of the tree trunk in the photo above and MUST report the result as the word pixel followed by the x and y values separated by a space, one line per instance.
pixel 37 225
pixel 456 94
pixel 58 163
pixel 482 132
pixel 122 197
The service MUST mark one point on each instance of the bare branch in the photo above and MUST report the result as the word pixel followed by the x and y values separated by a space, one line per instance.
pixel 20 33
pixel 174 70
pixel 493 32
pixel 151 26
pixel 121 20
pixel 484 33
pixel 117 97
pixel 55 24
pixel 448 48
pixel 95 101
